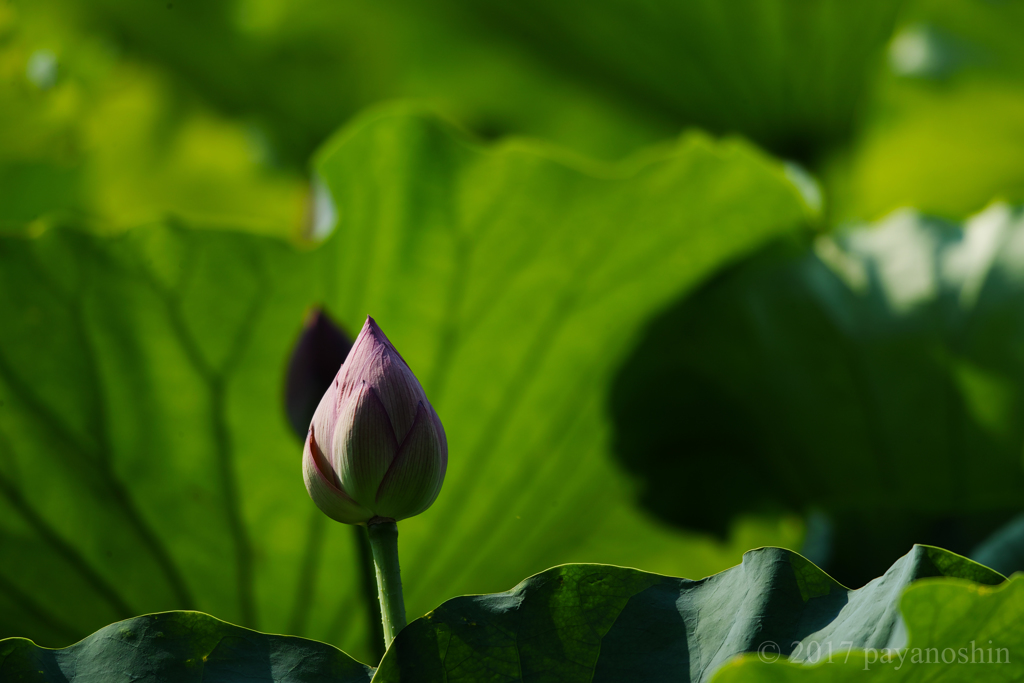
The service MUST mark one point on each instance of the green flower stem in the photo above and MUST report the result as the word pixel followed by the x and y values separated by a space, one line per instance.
pixel 368 588
pixel 384 544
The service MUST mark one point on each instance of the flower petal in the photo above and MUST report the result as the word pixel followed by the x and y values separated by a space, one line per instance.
pixel 375 360
pixel 364 445
pixel 326 416
pixel 414 479
pixel 323 488
pixel 400 391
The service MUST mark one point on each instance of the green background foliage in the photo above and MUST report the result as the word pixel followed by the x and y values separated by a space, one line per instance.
pixel 643 257
pixel 894 348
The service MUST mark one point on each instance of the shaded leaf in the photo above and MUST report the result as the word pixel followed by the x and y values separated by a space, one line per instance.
pixel 876 377
pixel 180 646
pixel 790 75
pixel 600 623
pixel 1003 550
pixel 267 63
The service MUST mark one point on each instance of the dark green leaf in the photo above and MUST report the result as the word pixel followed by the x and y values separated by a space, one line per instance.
pixel 596 623
pixel 174 647
pixel 1003 550
pixel 789 74
pixel 877 376
pixel 297 70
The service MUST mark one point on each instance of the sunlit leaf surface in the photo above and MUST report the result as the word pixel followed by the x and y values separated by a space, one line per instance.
pixel 110 141
pixel 944 131
pixel 956 631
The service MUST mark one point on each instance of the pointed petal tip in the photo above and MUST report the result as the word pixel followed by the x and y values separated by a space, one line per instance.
pixel 371 327
pixel 374 336
pixel 375 330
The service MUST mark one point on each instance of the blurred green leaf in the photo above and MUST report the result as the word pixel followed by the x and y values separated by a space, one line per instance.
pixel 1003 550
pixel 982 35
pixel 599 623
pixel 601 77
pixel 514 286
pixel 298 69
pixel 145 460
pixel 877 377
pixel 111 143
pixel 947 149
pixel 176 646
pixel 789 74
pixel 139 376
pixel 957 631
pixel 944 133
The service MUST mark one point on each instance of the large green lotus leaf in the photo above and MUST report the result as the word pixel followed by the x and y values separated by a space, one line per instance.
pixel 944 133
pixel 585 622
pixel 515 325
pixel 600 623
pixel 145 461
pixel 596 75
pixel 139 375
pixel 96 135
pixel 1004 549
pixel 876 377
pixel 789 74
pixel 957 631
pixel 947 149
pixel 296 69
pixel 173 647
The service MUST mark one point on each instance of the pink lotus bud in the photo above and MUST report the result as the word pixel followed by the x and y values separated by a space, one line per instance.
pixel 375 448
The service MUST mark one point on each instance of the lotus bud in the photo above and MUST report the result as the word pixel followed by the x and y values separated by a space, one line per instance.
pixel 375 447
pixel 319 353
